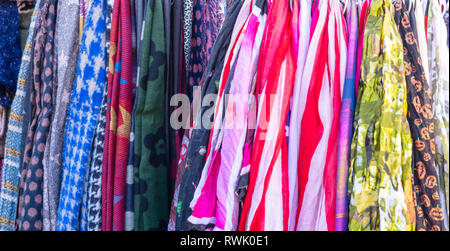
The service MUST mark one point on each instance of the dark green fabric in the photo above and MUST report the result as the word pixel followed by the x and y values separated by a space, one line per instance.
pixel 151 167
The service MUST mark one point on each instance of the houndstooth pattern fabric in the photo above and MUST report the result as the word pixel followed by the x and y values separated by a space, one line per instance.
pixel 12 162
pixel 83 115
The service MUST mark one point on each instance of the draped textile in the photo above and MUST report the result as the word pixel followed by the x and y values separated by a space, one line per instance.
pixel 82 116
pixel 380 178
pixel 215 201
pixel 30 206
pixel 17 126
pixel 346 122
pixel 151 197
pixel 118 119
pixel 268 208
pixel 438 53
pixel 193 160
pixel 66 53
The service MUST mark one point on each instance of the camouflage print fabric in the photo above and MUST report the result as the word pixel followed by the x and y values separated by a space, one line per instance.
pixel 380 179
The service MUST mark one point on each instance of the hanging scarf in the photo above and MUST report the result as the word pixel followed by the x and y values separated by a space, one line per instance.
pixel 118 120
pixel 215 202
pixel 82 116
pixel 10 52
pixel 17 122
pixel 380 173
pixel 268 208
pixel 346 122
pixel 297 107
pixel 30 203
pixel 66 52
pixel 151 168
pixel 420 118
pixel 193 153
pixel 91 208
pixel 438 54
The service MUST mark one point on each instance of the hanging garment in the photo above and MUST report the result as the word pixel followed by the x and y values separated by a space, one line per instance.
pixel 438 54
pixel 66 53
pixel 318 147
pixel 298 95
pixel 215 204
pixel 10 52
pixel 195 157
pixel 118 119
pixel 380 173
pixel 11 165
pixel 346 122
pixel 268 208
pixel 139 15
pixel 30 207
pixel 82 116
pixel 151 168
pixel 91 207
pixel 420 118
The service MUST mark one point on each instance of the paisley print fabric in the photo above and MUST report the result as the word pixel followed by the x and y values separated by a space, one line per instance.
pixel 380 178
pixel 82 116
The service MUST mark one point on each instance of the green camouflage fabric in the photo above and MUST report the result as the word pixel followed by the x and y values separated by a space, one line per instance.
pixel 151 194
pixel 380 179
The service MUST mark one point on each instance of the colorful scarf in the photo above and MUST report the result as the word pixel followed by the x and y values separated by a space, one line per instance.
pixel 346 122
pixel 438 53
pixel 30 203
pixel 15 135
pixel 215 202
pixel 193 153
pixel 82 116
pixel 118 119
pixel 266 206
pixel 66 53
pixel 151 167
pixel 10 52
pixel 380 178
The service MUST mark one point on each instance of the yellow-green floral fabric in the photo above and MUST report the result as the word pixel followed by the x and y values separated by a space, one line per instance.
pixel 380 180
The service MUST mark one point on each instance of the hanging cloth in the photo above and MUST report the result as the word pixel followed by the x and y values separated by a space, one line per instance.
pixel 10 171
pixel 195 158
pixel 30 203
pixel 151 168
pixel 380 173
pixel 346 122
pixel 420 118
pixel 118 120
pixel 66 53
pixel 82 116
pixel 438 54
pixel 268 208
pixel 221 209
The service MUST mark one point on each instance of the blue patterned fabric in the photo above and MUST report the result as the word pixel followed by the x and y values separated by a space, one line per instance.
pixel 9 51
pixel 14 137
pixel 83 115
